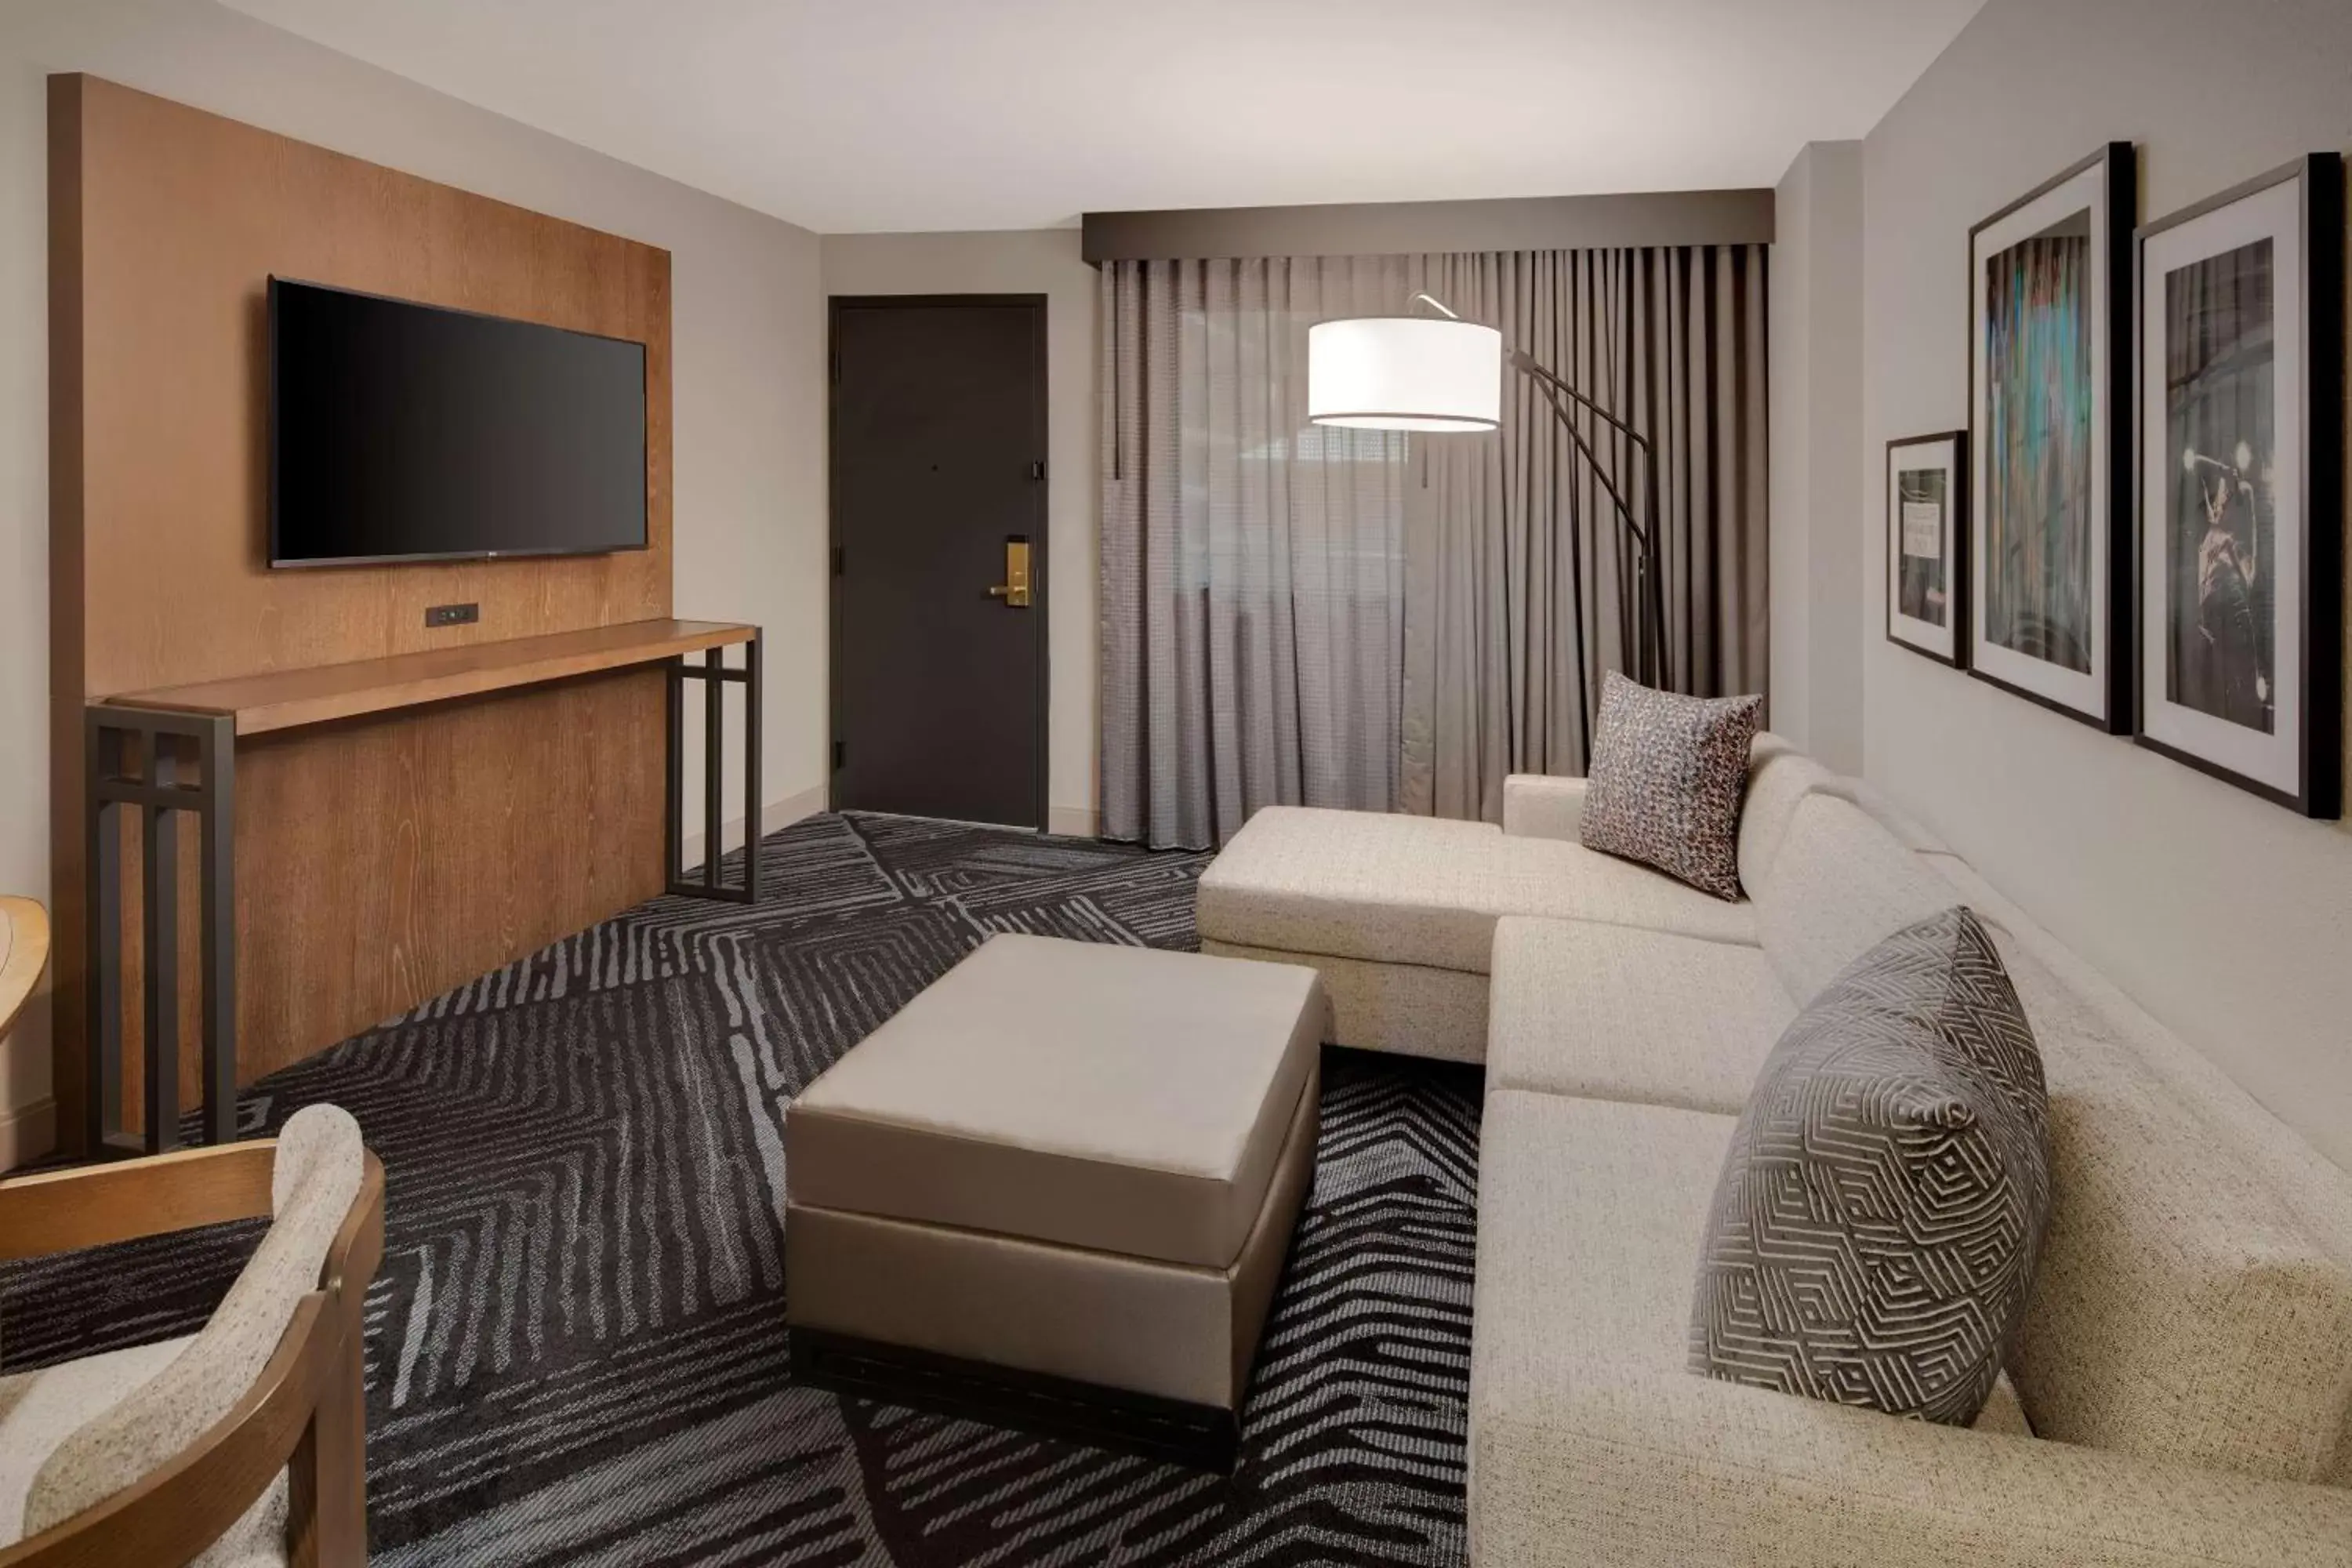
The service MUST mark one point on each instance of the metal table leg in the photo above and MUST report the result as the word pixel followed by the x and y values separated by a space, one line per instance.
pixel 158 793
pixel 714 674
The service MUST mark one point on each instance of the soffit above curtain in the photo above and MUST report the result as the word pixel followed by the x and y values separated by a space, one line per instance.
pixel 1402 228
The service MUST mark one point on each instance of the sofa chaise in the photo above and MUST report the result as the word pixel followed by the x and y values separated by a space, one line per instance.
pixel 2182 1392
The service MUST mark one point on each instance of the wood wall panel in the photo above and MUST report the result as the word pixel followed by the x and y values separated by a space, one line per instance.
pixel 377 862
pixel 520 810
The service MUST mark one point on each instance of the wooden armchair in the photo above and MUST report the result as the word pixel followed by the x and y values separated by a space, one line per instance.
pixel 194 1448
pixel 24 953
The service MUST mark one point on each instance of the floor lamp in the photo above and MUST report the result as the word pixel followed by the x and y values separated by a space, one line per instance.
pixel 1438 374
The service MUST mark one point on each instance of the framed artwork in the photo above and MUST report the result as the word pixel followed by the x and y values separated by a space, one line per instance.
pixel 2240 473
pixel 1927 550
pixel 2050 462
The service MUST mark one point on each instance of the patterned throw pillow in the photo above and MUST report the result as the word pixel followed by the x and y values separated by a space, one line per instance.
pixel 1668 775
pixel 1875 1231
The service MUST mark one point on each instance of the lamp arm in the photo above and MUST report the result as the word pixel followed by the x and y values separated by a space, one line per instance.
pixel 1593 462
pixel 1652 638
pixel 1527 365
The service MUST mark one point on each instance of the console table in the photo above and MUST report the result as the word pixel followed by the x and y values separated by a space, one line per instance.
pixel 206 721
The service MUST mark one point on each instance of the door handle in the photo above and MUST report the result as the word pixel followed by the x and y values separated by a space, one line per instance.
pixel 1014 589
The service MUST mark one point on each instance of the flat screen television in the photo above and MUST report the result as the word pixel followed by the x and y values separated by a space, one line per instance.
pixel 406 432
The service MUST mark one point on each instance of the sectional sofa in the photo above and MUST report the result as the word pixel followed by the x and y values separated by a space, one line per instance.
pixel 2182 1390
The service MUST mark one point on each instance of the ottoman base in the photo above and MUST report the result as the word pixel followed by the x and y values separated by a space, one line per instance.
pixel 1128 1351
pixel 1203 1436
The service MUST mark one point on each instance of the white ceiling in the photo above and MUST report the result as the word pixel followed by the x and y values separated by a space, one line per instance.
pixel 871 115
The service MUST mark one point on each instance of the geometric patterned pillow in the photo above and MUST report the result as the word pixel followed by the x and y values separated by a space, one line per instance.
pixel 1668 776
pixel 1875 1230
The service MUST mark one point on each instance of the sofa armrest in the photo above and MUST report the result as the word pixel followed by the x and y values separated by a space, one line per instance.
pixel 1536 805
pixel 1643 1469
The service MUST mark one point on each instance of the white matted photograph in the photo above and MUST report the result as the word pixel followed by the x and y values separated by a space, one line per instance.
pixel 2049 440
pixel 1927 531
pixel 2241 475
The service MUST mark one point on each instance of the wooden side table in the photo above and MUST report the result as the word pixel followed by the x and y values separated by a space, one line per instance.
pixel 138 741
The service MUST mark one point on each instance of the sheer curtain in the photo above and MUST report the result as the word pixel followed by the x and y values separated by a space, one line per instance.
pixel 1300 615
pixel 1252 565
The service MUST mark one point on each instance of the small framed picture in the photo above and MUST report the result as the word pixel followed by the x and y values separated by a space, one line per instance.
pixel 1926 545
pixel 2240 485
pixel 2050 441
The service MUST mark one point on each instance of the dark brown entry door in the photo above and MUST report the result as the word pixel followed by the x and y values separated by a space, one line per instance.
pixel 939 493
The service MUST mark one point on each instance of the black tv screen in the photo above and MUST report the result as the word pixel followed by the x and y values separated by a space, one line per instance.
pixel 404 432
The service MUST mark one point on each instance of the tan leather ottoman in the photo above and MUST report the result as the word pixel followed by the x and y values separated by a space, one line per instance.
pixel 1056 1189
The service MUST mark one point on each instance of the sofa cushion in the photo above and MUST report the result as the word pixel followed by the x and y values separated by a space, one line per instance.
pixel 1589 1443
pixel 1586 1209
pixel 1778 776
pixel 2183 1312
pixel 1839 885
pixel 1908 830
pixel 2157 1151
pixel 1538 806
pixel 1613 1013
pixel 1396 888
pixel 1880 1214
pixel 1118 1099
pixel 1668 775
pixel 2051 978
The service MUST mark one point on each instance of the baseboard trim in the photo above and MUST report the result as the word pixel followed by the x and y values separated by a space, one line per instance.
pixel 28 1133
pixel 776 813
pixel 1074 821
pixel 1069 821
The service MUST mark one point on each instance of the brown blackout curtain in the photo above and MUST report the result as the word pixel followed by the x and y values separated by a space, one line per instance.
pixel 1518 579
pixel 1350 618
pixel 1252 563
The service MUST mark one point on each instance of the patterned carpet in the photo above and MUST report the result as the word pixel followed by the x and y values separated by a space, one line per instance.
pixel 576 1350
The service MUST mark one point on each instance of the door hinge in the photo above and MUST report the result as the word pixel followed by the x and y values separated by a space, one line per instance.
pixel 839 752
pixel 836 560
pixel 1037 469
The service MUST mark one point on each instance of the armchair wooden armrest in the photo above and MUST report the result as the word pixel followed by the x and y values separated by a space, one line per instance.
pixel 24 954
pixel 93 1205
pixel 306 1412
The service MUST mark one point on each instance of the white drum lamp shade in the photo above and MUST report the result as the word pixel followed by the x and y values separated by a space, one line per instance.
pixel 1404 372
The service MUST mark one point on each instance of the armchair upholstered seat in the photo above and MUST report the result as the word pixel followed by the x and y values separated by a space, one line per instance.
pixel 238 1445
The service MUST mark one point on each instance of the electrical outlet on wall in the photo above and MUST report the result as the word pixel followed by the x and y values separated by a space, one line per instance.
pixel 453 614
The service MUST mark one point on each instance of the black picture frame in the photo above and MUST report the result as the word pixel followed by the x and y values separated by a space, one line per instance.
pixel 2316 394
pixel 1956 547
pixel 2101 696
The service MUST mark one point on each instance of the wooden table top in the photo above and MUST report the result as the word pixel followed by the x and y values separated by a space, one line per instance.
pixel 289 699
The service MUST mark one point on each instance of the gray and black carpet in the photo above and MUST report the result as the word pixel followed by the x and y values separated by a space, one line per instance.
pixel 576 1346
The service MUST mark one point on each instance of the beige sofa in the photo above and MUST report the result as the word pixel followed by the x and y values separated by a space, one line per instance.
pixel 2182 1390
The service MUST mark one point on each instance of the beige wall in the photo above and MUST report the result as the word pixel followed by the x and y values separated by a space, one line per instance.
pixel 1034 262
pixel 2228 918
pixel 1816 393
pixel 748 412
